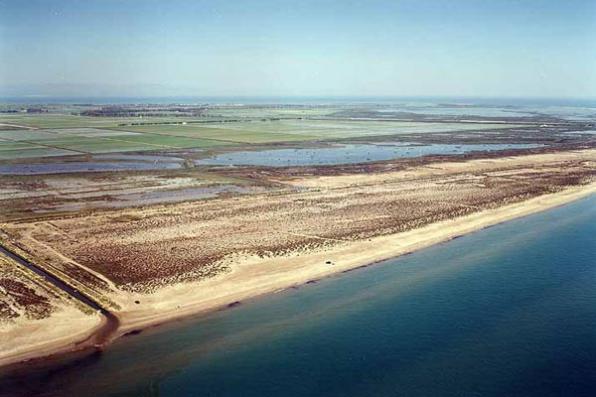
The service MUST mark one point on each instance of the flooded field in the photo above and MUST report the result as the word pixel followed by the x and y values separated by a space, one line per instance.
pixel 334 154
pixel 347 154
pixel 481 111
pixel 589 132
pixel 569 113
pixel 78 167
pixel 151 197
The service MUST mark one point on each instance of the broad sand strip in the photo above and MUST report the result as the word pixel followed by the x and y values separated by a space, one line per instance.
pixel 66 330
pixel 252 276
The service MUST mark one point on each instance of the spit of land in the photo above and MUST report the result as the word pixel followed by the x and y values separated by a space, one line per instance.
pixel 150 244
pixel 153 263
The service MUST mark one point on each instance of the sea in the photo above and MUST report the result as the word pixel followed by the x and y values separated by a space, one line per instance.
pixel 506 311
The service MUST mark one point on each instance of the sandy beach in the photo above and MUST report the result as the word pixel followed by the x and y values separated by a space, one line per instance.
pixel 67 330
pixel 252 276
pixel 48 322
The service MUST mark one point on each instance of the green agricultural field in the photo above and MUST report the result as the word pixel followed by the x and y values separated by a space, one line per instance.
pixel 38 152
pixel 66 134
pixel 315 129
pixel 175 142
pixel 304 130
pixel 57 120
pixel 27 135
pixel 115 142
pixel 273 112
pixel 8 145
pixel 332 129
pixel 95 145
pixel 88 132
pixel 41 135
pixel 49 120
pixel 240 134
pixel 68 141
pixel 18 150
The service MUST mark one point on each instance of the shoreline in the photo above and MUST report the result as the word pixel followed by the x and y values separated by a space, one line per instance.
pixel 62 344
pixel 252 277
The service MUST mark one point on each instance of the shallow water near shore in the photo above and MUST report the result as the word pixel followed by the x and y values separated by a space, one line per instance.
pixel 507 311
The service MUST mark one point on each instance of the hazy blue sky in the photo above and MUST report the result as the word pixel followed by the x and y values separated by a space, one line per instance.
pixel 323 48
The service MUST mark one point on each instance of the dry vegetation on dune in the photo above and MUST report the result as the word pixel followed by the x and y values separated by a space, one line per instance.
pixel 145 248
pixel 22 294
pixel 37 318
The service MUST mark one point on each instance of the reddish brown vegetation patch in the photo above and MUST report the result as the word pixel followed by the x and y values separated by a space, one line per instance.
pixel 35 305
pixel 141 249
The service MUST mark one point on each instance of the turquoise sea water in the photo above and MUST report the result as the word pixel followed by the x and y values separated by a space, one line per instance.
pixel 507 311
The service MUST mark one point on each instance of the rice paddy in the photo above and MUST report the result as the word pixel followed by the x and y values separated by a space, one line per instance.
pixel 16 150
pixel 51 134
pixel 247 132
pixel 32 143
pixel 296 130
pixel 52 120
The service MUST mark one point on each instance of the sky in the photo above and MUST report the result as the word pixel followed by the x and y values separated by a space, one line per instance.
pixel 463 48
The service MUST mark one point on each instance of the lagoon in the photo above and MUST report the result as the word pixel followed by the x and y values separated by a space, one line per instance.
pixel 348 154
